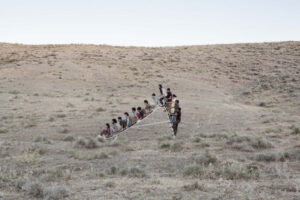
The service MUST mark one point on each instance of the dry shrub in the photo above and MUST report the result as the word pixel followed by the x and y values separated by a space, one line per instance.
pixel 34 188
pixel 227 171
pixel 206 159
pixel 137 173
pixel 69 138
pixel 194 186
pixel 88 143
pixel 56 193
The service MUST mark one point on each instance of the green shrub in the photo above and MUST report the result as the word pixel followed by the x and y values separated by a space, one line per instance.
pixel 102 155
pixel 176 147
pixel 137 173
pixel 295 131
pixel 69 138
pixel 100 109
pixel 165 146
pixel 260 143
pixel 195 171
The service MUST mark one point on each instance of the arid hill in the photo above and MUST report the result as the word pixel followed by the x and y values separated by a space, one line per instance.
pixel 239 137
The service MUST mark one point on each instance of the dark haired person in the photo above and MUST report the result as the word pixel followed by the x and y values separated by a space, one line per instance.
pixel 176 120
pixel 156 99
pixel 128 120
pixel 107 130
pixel 148 107
pixel 169 99
pixel 134 117
pixel 122 123
pixel 114 126
pixel 140 113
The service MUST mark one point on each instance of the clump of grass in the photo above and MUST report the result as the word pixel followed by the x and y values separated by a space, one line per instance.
pixel 113 153
pixel 69 105
pixel 238 139
pixel 61 115
pixel 110 184
pixel 295 130
pixel 176 147
pixel 51 119
pixel 293 154
pixel 165 146
pixel 194 186
pixel 206 159
pixel 3 131
pixel 34 189
pixel 91 144
pixel 100 109
pixel 102 155
pixel 88 143
pixel 69 138
pixel 197 140
pixel 228 171
pixel 64 130
pixel 56 193
pixel 137 173
pixel 260 143
pixel 14 92
pixel 42 139
pixel 289 187
pixel 113 170
pixel 236 172
pixel 195 171
pixel 238 142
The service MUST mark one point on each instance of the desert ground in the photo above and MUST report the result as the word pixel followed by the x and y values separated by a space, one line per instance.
pixel 239 137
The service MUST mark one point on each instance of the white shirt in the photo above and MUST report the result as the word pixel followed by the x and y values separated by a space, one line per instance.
pixel 164 91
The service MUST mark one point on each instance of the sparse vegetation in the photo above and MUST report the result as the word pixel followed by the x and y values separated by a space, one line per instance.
pixel 295 130
pixel 61 115
pixel 64 130
pixel 100 109
pixel 136 172
pixel 194 186
pixel 3 131
pixel 88 143
pixel 227 171
pixel 260 143
pixel 229 146
pixel 206 159
pixel 42 139
pixel 34 189
pixel 69 138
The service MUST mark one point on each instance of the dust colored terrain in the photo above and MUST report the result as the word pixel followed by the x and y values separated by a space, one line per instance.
pixel 239 137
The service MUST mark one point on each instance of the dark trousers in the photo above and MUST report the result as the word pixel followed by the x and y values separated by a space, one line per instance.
pixel 161 100
pixel 175 127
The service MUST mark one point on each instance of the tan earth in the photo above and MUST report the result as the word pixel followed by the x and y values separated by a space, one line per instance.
pixel 239 137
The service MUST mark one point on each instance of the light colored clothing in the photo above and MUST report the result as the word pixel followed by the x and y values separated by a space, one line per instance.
pixel 129 121
pixel 135 114
pixel 156 100
pixel 164 91
pixel 114 128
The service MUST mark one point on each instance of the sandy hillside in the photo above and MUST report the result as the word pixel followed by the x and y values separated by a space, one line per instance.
pixel 239 137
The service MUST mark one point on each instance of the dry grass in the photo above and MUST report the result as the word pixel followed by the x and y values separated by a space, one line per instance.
pixel 238 139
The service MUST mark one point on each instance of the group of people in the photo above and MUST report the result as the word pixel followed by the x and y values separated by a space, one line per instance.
pixel 166 99
pixel 171 103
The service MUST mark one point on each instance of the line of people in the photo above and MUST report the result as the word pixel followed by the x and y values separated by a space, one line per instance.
pixel 171 103
pixel 165 99
pixel 120 124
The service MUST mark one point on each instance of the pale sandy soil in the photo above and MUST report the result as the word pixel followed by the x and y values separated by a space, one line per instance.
pixel 239 137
